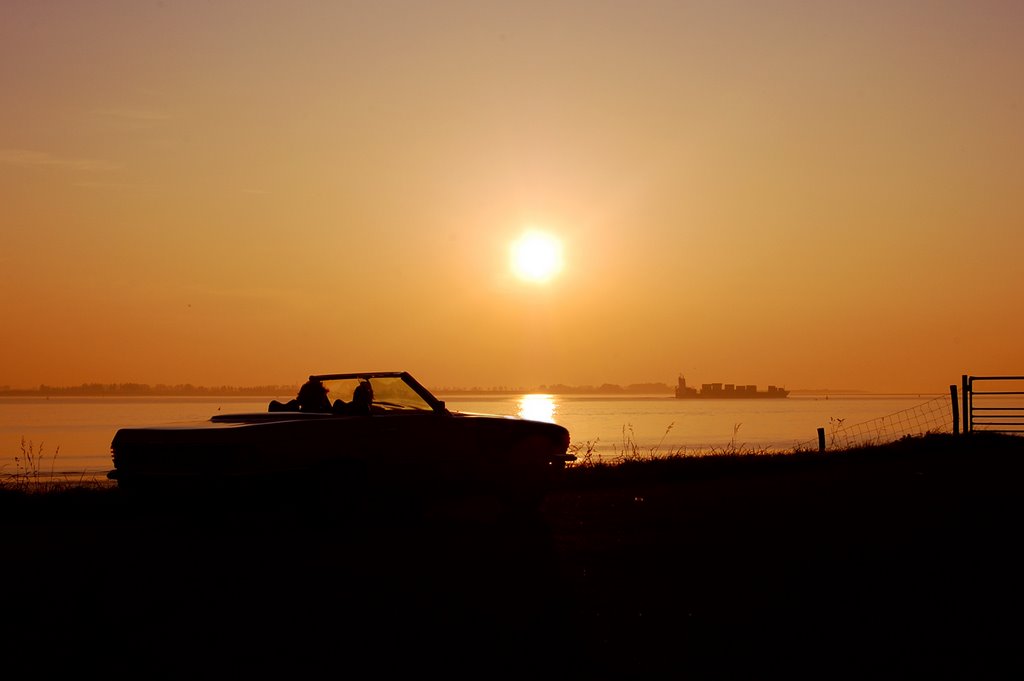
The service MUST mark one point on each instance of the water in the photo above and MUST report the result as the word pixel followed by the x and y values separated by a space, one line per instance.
pixel 71 435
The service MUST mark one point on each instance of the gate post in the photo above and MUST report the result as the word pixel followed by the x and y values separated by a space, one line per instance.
pixel 966 388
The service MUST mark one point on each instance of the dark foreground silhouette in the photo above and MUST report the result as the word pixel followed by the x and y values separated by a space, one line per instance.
pixel 892 561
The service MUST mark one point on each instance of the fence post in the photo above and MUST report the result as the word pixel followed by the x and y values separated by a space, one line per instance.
pixel 956 410
pixel 821 439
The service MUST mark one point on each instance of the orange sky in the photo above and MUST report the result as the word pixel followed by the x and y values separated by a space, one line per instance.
pixel 808 194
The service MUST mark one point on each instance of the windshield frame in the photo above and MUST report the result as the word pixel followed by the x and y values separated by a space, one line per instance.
pixel 413 396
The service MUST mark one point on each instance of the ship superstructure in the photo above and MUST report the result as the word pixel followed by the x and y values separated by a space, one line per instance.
pixel 726 391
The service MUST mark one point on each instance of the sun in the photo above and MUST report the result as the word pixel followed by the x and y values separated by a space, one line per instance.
pixel 536 257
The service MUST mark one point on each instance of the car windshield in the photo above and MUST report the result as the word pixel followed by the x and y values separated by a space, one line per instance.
pixel 389 392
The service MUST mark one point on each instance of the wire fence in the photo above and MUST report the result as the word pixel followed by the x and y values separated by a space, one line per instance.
pixel 933 416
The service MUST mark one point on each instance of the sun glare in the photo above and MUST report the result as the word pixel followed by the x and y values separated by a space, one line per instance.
pixel 536 257
pixel 537 407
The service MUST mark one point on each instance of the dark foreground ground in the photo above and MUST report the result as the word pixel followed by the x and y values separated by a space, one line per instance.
pixel 899 561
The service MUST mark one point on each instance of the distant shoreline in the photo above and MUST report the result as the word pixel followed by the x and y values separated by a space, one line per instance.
pixel 189 390
pixel 142 390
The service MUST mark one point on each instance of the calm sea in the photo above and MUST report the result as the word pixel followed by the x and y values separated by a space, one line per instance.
pixel 71 435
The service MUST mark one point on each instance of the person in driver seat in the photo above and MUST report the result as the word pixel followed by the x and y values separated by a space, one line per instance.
pixel 362 398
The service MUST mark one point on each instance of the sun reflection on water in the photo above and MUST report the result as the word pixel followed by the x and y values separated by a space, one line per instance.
pixel 537 407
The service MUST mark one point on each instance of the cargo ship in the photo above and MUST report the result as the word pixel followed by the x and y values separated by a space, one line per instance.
pixel 717 391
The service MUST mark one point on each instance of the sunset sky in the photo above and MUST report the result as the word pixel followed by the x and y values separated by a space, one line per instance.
pixel 808 194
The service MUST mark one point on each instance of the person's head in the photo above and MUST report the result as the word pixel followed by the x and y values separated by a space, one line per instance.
pixel 312 395
pixel 363 394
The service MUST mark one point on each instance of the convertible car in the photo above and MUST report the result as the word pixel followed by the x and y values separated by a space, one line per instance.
pixel 345 432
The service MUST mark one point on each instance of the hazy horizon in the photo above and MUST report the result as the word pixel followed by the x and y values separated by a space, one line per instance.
pixel 780 193
pixel 591 388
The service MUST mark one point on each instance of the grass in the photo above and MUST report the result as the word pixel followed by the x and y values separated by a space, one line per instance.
pixel 628 451
pixel 885 559
pixel 34 472
pixel 634 464
pixel 30 466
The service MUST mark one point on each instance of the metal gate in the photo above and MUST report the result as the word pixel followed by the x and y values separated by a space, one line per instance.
pixel 993 403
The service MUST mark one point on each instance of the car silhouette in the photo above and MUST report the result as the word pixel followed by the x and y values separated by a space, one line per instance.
pixel 400 440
